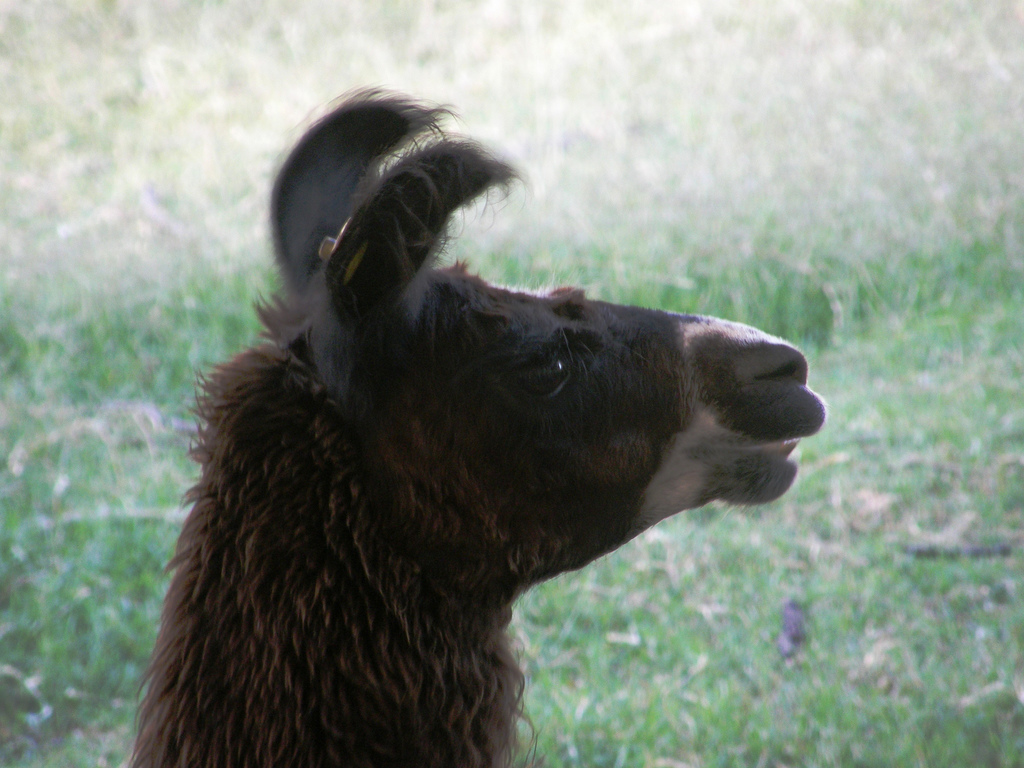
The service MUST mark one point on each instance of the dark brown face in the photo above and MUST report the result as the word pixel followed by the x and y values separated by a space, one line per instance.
pixel 539 431
pixel 568 424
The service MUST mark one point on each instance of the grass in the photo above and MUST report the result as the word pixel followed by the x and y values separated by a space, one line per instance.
pixel 847 174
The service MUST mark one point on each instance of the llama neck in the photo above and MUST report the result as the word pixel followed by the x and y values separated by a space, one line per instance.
pixel 436 666
pixel 292 634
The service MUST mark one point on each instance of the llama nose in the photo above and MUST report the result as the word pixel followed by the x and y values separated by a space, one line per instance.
pixel 771 361
pixel 771 400
pixel 754 383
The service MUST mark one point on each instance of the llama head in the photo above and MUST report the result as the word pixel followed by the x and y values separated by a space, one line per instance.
pixel 506 436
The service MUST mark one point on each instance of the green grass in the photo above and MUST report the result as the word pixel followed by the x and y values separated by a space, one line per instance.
pixel 849 175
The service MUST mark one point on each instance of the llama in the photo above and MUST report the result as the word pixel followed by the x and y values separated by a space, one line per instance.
pixel 408 451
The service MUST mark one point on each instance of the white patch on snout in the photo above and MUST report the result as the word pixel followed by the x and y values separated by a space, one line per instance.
pixel 707 460
pixel 735 334
pixel 680 482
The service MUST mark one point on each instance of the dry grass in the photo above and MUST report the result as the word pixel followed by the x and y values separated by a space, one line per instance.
pixel 657 135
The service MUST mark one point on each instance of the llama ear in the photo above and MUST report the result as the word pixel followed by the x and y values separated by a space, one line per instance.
pixel 312 195
pixel 401 221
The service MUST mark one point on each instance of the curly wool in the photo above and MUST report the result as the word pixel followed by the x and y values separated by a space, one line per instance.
pixel 292 625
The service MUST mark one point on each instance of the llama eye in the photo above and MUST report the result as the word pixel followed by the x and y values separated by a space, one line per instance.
pixel 545 379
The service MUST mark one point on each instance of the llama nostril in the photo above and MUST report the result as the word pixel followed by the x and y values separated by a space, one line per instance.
pixel 772 361
pixel 794 368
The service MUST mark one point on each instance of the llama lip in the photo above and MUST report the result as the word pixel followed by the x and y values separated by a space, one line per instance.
pixel 781 447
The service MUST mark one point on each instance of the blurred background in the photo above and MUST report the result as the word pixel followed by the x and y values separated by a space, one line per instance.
pixel 848 174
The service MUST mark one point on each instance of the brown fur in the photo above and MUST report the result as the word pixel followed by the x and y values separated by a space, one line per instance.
pixel 374 667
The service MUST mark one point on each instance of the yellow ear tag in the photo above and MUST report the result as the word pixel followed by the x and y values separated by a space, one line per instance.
pixel 353 264
pixel 327 246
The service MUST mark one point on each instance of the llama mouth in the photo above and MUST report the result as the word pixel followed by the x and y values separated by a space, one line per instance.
pixel 780 447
